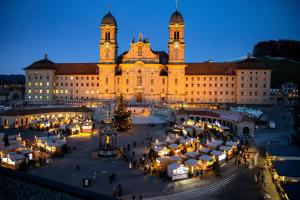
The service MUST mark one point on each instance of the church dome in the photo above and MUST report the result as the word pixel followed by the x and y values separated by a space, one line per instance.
pixel 176 17
pixel 109 19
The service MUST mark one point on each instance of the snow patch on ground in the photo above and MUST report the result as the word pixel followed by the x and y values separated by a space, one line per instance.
pixel 140 119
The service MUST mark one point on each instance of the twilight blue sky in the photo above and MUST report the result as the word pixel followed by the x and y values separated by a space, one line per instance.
pixel 68 30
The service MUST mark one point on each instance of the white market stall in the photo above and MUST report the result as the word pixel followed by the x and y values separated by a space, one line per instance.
pixel 205 161
pixel 220 155
pixel 177 171
pixel 161 151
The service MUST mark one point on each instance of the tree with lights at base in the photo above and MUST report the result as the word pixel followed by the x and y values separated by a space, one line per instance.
pixel 122 116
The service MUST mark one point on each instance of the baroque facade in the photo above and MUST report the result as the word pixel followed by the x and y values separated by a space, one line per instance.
pixel 144 75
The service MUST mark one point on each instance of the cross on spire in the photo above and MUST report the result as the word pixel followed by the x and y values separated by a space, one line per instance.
pixel 176 4
pixel 109 5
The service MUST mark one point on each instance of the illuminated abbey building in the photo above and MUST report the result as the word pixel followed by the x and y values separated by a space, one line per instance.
pixel 144 75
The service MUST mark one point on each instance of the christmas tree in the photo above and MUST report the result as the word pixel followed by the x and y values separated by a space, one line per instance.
pixel 122 116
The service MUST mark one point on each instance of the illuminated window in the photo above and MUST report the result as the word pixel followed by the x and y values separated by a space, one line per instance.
pixel 41 91
pixel 71 77
pixel 36 83
pixel 47 83
pixel 66 91
pixel 29 91
pixel 61 91
pixel 41 84
pixel 29 84
pixel 35 97
pixel 29 97
pixel 41 97
pixel 47 97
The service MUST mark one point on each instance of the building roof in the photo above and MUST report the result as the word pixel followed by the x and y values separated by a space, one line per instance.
pixel 77 68
pixel 283 150
pixel 204 68
pixel 42 64
pixel 176 17
pixel 38 110
pixel 210 68
pixel 223 68
pixel 287 168
pixel 109 19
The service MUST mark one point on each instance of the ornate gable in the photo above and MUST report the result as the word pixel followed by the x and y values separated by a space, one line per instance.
pixel 140 51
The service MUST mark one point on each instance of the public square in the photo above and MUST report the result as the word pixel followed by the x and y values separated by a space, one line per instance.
pixel 135 182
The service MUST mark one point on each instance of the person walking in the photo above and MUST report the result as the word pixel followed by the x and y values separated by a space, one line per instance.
pixel 77 167
pixel 129 165
pixel 134 144
pixel 141 197
pixel 119 190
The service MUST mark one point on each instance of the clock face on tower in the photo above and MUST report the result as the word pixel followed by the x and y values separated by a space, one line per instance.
pixel 176 45
pixel 106 45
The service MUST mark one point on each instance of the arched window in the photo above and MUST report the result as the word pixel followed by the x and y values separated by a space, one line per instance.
pixel 107 54
pixel 107 35
pixel 176 35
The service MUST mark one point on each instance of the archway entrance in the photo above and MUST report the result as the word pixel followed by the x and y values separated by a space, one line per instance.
pixel 246 131
pixel 139 97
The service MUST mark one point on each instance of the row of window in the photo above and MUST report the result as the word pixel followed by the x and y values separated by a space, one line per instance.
pixel 251 85
pixel 255 72
pixel 77 78
pixel 210 85
pixel 38 91
pixel 38 76
pixel 210 93
pixel 252 93
pixel 221 78
pixel 38 83
pixel 37 97
pixel 251 78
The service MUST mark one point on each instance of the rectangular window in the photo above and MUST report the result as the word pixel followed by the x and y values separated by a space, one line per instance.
pixel 41 83
pixel 127 81
pixel 176 81
pixel 29 91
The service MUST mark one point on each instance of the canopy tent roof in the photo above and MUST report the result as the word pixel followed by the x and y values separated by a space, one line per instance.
pixel 225 148
pixel 192 154
pixel 192 162
pixel 205 158
pixel 216 153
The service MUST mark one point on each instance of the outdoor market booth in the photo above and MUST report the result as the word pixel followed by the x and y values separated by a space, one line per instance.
pixel 177 171
pixel 220 155
pixel 175 148
pixel 192 154
pixel 74 129
pixel 187 131
pixel 13 160
pixel 193 166
pixel 162 162
pixel 232 144
pixel 206 162
pixel 178 159
pixel 51 144
pixel 204 150
pixel 161 151
pixel 87 126
pixel 214 144
pixel 229 151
